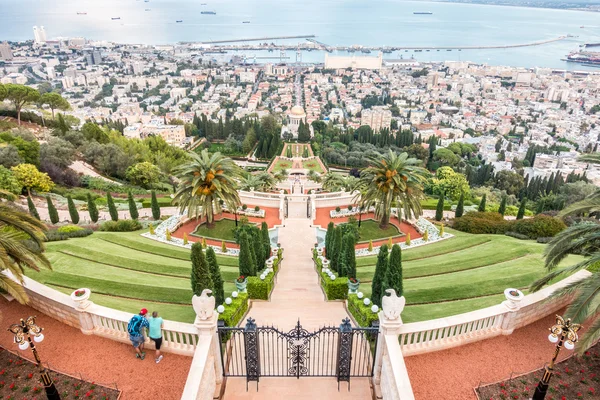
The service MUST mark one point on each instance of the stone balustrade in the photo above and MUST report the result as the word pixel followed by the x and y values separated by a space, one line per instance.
pixel 443 333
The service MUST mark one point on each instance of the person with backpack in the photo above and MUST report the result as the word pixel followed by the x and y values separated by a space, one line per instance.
pixel 136 334
pixel 155 333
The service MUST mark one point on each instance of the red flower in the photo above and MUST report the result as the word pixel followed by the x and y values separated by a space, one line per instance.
pixel 592 390
pixel 29 376
pixel 3 372
pixel 89 393
pixel 579 394
pixel 12 386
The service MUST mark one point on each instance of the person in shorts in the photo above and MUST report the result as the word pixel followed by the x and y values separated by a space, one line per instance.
pixel 135 328
pixel 155 333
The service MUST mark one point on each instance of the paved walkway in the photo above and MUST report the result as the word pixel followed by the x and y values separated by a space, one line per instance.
pixel 97 359
pixel 297 296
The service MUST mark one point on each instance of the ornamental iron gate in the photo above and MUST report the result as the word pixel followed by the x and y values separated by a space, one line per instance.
pixel 342 352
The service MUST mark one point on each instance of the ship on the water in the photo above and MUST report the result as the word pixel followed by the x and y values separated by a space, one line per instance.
pixel 584 57
pixel 115 18
pixel 179 21
pixel 422 13
pixel 208 12
pixel 81 13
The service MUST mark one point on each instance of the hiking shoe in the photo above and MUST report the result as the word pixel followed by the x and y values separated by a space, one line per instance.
pixel 159 359
pixel 137 355
pixel 143 356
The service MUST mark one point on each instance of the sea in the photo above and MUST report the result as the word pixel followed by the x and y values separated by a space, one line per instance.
pixel 333 22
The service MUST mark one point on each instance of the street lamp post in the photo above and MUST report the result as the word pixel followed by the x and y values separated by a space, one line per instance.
pixel 23 332
pixel 564 332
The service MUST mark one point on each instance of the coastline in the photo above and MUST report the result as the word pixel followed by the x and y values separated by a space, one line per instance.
pixel 545 7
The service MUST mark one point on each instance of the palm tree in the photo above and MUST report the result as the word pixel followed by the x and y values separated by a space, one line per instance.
pixel 261 182
pixel 314 176
pixel 21 245
pixel 333 181
pixel 281 175
pixel 393 178
pixel 582 238
pixel 204 180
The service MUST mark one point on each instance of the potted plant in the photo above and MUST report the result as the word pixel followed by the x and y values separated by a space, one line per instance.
pixel 350 207
pixel 257 208
pixel 240 283
pixel 353 284
pixel 244 207
pixel 81 297
pixel 513 298
pixel 337 209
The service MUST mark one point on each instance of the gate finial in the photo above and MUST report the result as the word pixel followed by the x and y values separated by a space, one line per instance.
pixel 346 326
pixel 250 325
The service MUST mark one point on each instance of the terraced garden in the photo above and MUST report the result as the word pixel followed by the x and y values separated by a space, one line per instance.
pixel 127 272
pixel 461 274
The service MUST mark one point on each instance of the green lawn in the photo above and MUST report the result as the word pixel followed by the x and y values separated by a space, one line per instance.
pixel 223 230
pixel 369 230
pixel 281 164
pixel 313 165
pixel 127 271
pixel 462 274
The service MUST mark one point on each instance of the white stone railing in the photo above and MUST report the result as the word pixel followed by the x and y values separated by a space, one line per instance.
pixel 458 330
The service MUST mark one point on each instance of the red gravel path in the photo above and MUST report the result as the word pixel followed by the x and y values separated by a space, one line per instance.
pixel 323 220
pixel 97 359
pixel 271 218
pixel 452 374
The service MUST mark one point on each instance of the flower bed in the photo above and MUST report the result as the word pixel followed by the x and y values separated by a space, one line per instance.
pixel 251 212
pixel 574 378
pixel 20 379
pixel 422 225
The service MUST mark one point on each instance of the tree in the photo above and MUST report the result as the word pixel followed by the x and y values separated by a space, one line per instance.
pixel 21 246
pixel 509 181
pixel 133 211
pixel 392 178
pixel 32 210
pixel 204 180
pixel 215 274
pixel 449 182
pixel 580 239
pixel 521 211
pixel 52 212
pixel 112 209
pixel 266 240
pixel 92 209
pixel 502 208
pixel 144 174
pixel 482 204
pixel 30 178
pixel 55 101
pixel 92 131
pixel 439 210
pixel 8 182
pixel 20 96
pixel 445 157
pixel 9 156
pixel 393 275
pixel 247 265
pixel 348 264
pixel 460 207
pixel 258 249
pixel 72 210
pixel 155 206
pixel 336 249
pixel 329 239
pixel 381 266
pixel 200 277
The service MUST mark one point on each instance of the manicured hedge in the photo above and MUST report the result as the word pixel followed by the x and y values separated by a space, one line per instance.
pixel 538 226
pixel 259 289
pixel 362 314
pixel 162 202
pixel 493 223
pixel 235 311
pixel 54 235
pixel 124 225
pixel 481 222
pixel 334 290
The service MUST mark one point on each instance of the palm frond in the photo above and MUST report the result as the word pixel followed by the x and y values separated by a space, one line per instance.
pixel 587 295
pixel 592 334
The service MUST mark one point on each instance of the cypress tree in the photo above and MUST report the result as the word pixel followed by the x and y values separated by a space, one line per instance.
pixel 32 210
pixel 245 262
pixel 393 275
pixel 73 210
pixel 377 288
pixel 259 252
pixel 329 240
pixel 439 210
pixel 482 204
pixel 52 213
pixel 521 211
pixel 200 278
pixel 114 215
pixel 502 209
pixel 92 209
pixel 460 207
pixel 540 206
pixel 348 264
pixel 215 274
pixel 336 249
pixel 264 230
pixel 133 211
pixel 155 207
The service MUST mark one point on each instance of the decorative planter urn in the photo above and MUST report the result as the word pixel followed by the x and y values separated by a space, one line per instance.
pixel 353 287
pixel 241 286
pixel 81 298
pixel 325 263
pixel 319 251
pixel 513 298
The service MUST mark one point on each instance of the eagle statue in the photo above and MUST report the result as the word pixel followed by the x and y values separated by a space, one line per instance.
pixel 204 305
pixel 392 305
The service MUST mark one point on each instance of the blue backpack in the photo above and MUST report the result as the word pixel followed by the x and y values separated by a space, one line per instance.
pixel 135 325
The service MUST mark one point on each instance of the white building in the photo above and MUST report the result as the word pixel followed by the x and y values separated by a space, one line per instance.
pixel 5 52
pixel 14 78
pixel 377 119
pixel 39 35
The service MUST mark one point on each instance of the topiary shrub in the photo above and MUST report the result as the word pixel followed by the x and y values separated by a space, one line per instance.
pixel 481 222
pixel 350 207
pixel 92 209
pixel 244 207
pixel 124 225
pixel 69 229
pixel 168 235
pixel 185 238
pixel 235 311
pixel 133 211
pixel 112 210
pixel 73 210
pixel 361 313
pixel 539 226
pixel 337 209
pixel 155 207
pixel 407 241
pixel 151 229
pixel 52 212
pixel 32 210
pixel 256 208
